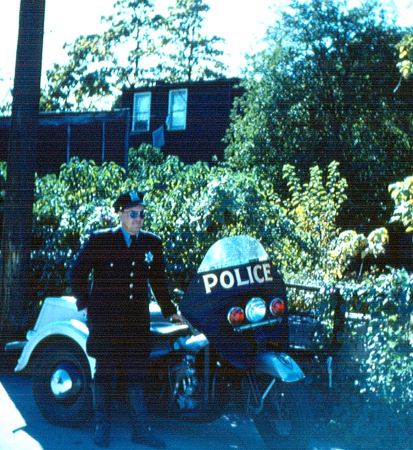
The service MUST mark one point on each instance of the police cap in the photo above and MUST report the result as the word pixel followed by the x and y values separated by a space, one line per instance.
pixel 128 200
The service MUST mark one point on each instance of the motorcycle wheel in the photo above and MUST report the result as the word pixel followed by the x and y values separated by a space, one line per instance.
pixel 178 391
pixel 285 421
pixel 61 385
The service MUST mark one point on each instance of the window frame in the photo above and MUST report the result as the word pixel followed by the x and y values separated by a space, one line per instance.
pixel 172 111
pixel 146 114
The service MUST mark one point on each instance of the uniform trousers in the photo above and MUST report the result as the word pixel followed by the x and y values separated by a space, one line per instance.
pixel 128 364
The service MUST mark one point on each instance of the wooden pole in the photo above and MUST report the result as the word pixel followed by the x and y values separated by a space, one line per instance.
pixel 15 289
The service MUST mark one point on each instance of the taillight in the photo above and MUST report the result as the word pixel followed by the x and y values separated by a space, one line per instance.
pixel 256 309
pixel 277 306
pixel 236 316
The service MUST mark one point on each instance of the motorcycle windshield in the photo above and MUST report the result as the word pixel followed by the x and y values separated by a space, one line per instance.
pixel 232 251
pixel 233 271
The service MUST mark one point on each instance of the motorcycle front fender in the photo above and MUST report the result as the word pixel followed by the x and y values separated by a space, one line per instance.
pixel 279 365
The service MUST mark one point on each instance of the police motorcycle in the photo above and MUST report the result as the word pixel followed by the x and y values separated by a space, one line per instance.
pixel 231 352
pixel 238 300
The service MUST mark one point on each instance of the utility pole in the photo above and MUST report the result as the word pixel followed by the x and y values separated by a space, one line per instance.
pixel 15 288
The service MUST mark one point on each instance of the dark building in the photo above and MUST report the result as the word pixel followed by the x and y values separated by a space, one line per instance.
pixel 101 136
pixel 184 119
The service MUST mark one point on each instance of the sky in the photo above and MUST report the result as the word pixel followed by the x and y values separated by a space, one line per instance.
pixel 240 22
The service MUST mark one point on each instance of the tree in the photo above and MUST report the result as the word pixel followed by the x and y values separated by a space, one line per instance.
pixel 5 105
pixel 15 286
pixel 5 108
pixel 323 90
pixel 405 48
pixel 186 53
pixel 190 206
pixel 95 69
pixel 402 195
pixel 66 208
pixel 131 52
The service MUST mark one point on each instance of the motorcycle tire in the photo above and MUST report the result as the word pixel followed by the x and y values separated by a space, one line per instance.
pixel 61 385
pixel 179 392
pixel 286 420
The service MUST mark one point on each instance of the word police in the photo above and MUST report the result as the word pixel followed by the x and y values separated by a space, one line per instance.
pixel 259 273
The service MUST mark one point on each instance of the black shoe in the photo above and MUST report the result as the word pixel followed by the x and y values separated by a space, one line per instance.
pixel 144 436
pixel 101 438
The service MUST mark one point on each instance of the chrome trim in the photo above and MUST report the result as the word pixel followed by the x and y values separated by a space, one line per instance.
pixel 263 323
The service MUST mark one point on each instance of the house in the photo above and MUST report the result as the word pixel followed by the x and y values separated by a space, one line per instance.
pixel 184 119
pixel 101 136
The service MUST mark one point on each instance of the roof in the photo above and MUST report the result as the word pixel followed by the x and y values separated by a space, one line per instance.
pixel 186 84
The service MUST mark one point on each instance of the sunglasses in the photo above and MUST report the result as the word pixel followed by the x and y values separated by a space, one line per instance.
pixel 136 214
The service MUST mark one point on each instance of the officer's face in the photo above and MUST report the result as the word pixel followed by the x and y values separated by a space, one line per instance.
pixel 132 224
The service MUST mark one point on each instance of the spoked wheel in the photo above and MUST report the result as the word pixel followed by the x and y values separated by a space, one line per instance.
pixel 182 390
pixel 285 421
pixel 61 385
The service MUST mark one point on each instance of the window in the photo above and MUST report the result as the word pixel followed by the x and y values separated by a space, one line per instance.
pixel 141 112
pixel 178 100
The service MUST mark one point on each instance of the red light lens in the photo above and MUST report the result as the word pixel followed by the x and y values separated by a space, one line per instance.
pixel 236 316
pixel 277 307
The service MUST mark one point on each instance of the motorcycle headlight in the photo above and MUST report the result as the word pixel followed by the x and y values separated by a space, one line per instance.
pixel 255 309
pixel 236 316
pixel 277 307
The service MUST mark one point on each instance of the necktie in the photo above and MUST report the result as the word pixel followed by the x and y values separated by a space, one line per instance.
pixel 134 244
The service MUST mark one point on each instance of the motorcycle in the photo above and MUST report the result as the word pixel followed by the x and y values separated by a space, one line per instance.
pixel 232 351
pixel 238 300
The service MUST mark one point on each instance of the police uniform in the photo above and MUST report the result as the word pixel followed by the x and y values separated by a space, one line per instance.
pixel 117 302
pixel 118 312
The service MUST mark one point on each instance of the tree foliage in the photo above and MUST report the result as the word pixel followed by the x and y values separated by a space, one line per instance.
pixel 67 207
pixel 100 64
pixel 405 48
pixel 5 103
pixel 190 207
pixel 323 90
pixel 381 342
pixel 187 54
pixel 139 46
pixel 402 194
pixel 381 345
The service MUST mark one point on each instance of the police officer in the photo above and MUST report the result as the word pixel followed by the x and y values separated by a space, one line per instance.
pixel 110 280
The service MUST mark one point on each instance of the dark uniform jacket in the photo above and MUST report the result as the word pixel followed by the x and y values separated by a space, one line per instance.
pixel 118 298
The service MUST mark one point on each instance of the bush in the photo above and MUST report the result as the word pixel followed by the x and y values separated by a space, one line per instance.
pixel 190 207
pixel 67 207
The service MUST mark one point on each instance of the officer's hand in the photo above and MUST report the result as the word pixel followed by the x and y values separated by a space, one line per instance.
pixel 177 318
